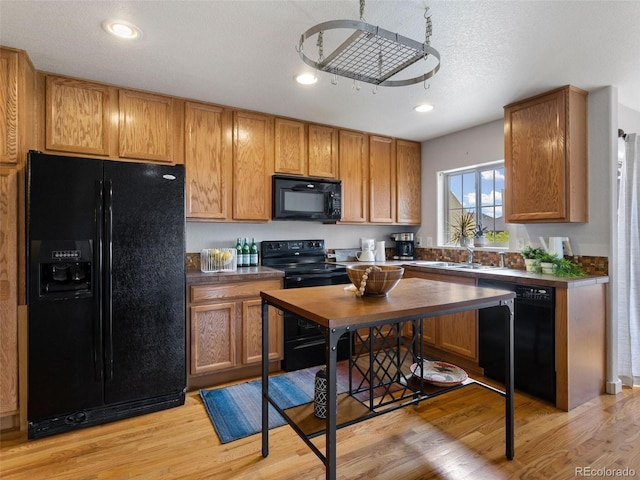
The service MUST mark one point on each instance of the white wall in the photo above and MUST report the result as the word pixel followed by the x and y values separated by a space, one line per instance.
pixel 206 235
pixel 481 144
pixel 485 143
pixel 628 119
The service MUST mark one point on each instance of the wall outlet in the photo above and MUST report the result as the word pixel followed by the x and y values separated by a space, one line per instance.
pixel 429 241
pixel 418 241
pixel 520 243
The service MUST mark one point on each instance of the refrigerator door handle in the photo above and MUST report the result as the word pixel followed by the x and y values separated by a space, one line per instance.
pixel 98 360
pixel 107 282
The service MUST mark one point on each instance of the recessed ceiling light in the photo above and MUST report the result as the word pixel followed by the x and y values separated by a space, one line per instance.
pixel 425 107
pixel 306 79
pixel 122 29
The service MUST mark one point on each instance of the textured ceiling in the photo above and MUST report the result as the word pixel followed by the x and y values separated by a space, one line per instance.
pixel 243 53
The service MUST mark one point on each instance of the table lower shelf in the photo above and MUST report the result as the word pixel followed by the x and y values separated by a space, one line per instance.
pixel 352 410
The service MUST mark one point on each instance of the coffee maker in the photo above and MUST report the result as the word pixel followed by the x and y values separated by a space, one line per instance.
pixel 404 246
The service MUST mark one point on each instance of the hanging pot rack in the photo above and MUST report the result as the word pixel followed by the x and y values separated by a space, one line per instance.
pixel 370 54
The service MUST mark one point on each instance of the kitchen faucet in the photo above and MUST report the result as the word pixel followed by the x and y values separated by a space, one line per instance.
pixel 470 249
pixel 501 259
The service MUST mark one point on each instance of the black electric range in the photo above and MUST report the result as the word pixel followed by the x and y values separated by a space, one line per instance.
pixel 303 264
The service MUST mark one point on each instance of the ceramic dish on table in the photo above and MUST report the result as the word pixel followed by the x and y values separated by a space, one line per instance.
pixel 441 374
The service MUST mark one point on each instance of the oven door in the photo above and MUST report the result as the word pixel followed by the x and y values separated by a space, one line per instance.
pixel 304 344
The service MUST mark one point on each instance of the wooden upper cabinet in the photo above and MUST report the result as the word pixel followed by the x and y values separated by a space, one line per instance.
pixel 8 106
pixel 290 147
pixel 77 116
pixel 146 128
pixel 207 161
pixel 89 118
pixel 323 151
pixel 382 179
pixel 252 165
pixel 545 143
pixel 305 149
pixel 354 173
pixel 409 182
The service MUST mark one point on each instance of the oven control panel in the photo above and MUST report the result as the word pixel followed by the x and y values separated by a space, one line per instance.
pixel 272 248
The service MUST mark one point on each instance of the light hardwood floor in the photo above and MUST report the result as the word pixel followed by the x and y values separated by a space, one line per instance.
pixel 456 436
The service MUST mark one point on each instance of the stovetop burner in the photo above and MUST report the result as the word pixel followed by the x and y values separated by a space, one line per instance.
pixel 299 257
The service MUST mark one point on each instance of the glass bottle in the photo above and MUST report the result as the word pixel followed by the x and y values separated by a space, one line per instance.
pixel 239 259
pixel 246 253
pixel 253 253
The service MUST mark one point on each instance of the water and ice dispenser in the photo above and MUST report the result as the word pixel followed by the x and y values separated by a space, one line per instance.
pixel 65 268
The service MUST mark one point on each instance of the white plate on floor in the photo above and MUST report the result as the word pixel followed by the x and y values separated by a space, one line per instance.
pixel 441 374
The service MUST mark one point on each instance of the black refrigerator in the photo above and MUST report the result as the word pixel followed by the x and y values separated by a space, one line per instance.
pixel 105 291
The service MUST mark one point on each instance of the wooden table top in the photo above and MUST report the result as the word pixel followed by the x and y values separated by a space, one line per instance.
pixel 335 306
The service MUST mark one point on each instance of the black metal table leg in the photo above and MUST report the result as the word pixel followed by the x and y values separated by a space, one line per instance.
pixel 509 379
pixel 265 378
pixel 332 404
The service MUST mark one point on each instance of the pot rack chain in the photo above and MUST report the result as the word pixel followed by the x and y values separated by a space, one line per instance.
pixel 371 54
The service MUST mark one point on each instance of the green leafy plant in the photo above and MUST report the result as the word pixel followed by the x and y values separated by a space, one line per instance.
pixel 531 253
pixel 566 268
pixel 462 227
pixel 480 231
pixel 547 258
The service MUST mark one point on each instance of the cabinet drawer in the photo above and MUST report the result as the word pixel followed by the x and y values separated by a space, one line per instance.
pixel 227 291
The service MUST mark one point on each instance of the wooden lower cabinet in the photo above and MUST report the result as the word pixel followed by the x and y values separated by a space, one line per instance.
pixel 453 337
pixel 225 332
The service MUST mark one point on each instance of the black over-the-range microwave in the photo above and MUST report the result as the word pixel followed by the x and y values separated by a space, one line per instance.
pixel 306 198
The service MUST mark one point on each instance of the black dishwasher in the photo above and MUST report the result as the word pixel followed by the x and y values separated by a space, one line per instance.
pixel 534 339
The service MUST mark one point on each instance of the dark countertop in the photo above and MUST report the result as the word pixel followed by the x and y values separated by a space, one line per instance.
pixel 242 274
pixel 512 275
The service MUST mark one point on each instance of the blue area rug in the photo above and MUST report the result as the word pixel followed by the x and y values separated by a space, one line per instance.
pixel 236 411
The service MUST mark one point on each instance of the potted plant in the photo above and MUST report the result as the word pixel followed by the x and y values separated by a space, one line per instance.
pixel 479 235
pixel 547 262
pixel 531 255
pixel 462 228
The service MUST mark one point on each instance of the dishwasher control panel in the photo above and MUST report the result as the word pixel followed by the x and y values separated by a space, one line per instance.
pixel 534 293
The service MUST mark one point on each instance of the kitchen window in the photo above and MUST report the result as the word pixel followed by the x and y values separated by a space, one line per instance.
pixel 478 190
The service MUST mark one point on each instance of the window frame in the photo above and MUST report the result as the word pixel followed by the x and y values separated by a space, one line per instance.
pixel 444 208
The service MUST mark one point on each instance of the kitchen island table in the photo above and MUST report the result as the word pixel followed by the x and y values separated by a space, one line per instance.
pixel 379 360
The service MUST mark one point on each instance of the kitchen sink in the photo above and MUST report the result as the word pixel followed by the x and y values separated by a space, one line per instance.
pixel 454 265
pixel 473 266
pixel 434 264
